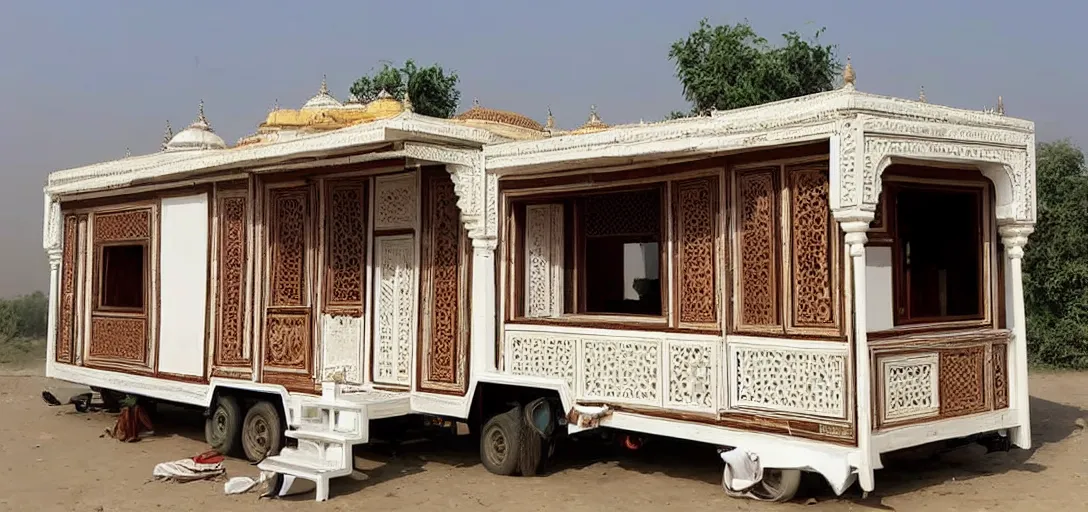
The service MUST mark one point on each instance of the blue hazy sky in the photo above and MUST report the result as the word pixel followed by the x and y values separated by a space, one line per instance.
pixel 82 81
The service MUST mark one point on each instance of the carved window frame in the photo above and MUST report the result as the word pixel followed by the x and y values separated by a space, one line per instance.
pixel 988 251
pixel 783 263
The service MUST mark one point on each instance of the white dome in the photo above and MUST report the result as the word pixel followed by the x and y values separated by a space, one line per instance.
pixel 196 136
pixel 323 100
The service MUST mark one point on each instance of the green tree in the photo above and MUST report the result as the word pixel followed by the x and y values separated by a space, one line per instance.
pixel 432 90
pixel 1056 260
pixel 730 66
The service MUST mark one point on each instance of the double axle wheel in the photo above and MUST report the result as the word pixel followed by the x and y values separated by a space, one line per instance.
pixel 256 434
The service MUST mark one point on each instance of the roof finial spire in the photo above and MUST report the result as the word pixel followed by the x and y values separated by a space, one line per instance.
pixel 848 76
pixel 407 103
pixel 200 115
pixel 475 102
pixel 324 85
pixel 167 135
pixel 1000 106
pixel 922 94
pixel 550 123
pixel 593 117
pixel 127 153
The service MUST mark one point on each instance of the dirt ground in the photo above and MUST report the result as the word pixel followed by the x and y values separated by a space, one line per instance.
pixel 54 458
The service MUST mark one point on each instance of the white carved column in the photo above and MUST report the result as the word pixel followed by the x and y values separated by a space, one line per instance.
pixel 855 223
pixel 51 242
pixel 1014 237
pixel 483 306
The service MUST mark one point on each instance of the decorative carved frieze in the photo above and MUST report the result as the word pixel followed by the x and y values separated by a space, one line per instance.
pixel 757 228
pixel 910 386
pixel 341 338
pixel 288 345
pixel 395 320
pixel 122 226
pixel 345 244
pixel 542 355
pixel 119 339
pixel 231 292
pixel 814 291
pixel 786 379
pixel 963 381
pixel 65 339
pixel 692 375
pixel 396 202
pixel 289 211
pixel 1001 375
pixel 544 260
pixel 621 370
pixel 696 230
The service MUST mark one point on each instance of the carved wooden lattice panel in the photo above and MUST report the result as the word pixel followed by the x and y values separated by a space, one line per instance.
pixel 814 290
pixel 696 216
pixel 230 336
pixel 910 386
pixel 790 380
pixel 288 346
pixel 622 370
pixel 623 213
pixel 757 217
pixel 396 202
pixel 395 304
pixel 537 355
pixel 1001 376
pixel 289 209
pixel 119 339
pixel 66 324
pixel 345 244
pixel 543 260
pixel 691 375
pixel 963 381
pixel 444 340
pixel 120 226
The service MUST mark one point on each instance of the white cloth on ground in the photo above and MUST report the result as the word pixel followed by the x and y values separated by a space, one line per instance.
pixel 187 470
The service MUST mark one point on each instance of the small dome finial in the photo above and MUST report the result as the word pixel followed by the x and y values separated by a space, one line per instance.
pixel 407 101
pixel 475 102
pixel 922 94
pixel 593 117
pixel 167 135
pixel 848 75
pixel 1000 106
pixel 127 153
pixel 324 85
pixel 200 115
pixel 550 123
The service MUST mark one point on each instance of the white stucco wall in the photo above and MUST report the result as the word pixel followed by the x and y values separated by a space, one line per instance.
pixel 183 263
pixel 879 307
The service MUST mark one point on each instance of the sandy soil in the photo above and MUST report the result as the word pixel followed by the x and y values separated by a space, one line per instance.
pixel 56 459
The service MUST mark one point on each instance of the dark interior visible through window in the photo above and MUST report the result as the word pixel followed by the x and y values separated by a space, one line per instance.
pixel 938 254
pixel 621 252
pixel 123 275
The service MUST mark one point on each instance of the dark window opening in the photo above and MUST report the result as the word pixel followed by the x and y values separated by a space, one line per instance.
pixel 622 252
pixel 939 245
pixel 122 277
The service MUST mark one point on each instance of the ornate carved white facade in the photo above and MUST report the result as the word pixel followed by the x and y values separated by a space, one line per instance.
pixel 395 304
pixel 341 338
pixel 621 370
pixel 910 387
pixel 396 201
pixel 541 355
pixel 543 260
pixel 692 377
pixel 787 379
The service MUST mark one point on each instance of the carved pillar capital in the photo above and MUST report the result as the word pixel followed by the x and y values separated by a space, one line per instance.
pixel 855 223
pixel 1014 237
pixel 485 244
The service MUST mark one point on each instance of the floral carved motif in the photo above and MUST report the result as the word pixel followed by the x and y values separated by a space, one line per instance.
pixel 543 260
pixel 230 338
pixel 696 229
pixel 126 225
pixel 289 211
pixel 623 213
pixel 345 239
pixel 396 307
pixel 444 349
pixel 396 203
pixel 533 355
pixel 622 370
pixel 963 381
pixel 790 380
pixel 1001 376
pixel 66 324
pixel 119 339
pixel 758 255
pixel 910 387
pixel 813 294
pixel 691 375
pixel 288 344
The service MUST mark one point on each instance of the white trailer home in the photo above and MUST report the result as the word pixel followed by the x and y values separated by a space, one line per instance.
pixel 814 282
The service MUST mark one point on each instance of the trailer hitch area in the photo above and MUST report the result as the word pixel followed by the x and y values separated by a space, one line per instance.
pixel 587 417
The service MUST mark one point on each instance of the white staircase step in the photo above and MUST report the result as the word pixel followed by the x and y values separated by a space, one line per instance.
pixel 293 463
pixel 323 436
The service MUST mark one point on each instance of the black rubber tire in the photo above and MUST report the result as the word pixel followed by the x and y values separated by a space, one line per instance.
pixel 223 429
pixel 262 431
pixel 500 442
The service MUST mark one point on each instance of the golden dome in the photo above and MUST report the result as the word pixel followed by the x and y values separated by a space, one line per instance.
pixel 478 113
pixel 594 124
pixel 385 105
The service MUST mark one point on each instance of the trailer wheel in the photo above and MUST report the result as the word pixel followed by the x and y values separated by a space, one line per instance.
pixel 223 428
pixel 500 442
pixel 778 485
pixel 262 431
